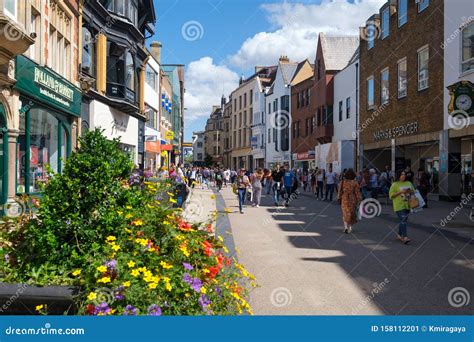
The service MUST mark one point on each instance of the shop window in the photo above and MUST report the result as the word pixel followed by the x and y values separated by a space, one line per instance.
pixel 467 55
pixel 402 12
pixel 423 73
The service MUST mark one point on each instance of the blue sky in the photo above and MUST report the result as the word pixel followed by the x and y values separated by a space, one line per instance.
pixel 220 40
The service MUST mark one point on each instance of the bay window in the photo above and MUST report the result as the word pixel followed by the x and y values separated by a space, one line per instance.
pixel 121 73
pixel 467 55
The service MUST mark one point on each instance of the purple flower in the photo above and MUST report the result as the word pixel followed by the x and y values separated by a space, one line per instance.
pixel 218 291
pixel 204 302
pixel 196 285
pixel 187 266
pixel 130 310
pixel 7 258
pixel 187 278
pixel 111 264
pixel 102 309
pixel 154 310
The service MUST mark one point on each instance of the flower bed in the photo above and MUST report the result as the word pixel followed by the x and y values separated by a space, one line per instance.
pixel 126 249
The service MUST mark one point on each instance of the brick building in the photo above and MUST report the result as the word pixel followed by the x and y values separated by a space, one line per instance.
pixel 401 86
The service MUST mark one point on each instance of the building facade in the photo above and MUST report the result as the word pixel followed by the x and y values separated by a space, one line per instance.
pixel 458 47
pixel 114 59
pixel 227 133
pixel 241 124
pixel 198 148
pixel 401 109
pixel 213 134
pixel 303 121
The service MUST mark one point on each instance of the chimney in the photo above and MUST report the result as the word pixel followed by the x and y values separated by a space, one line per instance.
pixel 155 48
pixel 284 59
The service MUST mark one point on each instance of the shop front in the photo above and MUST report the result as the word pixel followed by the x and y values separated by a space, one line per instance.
pixel 49 109
pixel 339 155
pixel 305 161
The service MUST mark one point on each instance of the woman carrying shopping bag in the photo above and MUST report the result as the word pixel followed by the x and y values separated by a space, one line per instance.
pixel 402 194
pixel 349 197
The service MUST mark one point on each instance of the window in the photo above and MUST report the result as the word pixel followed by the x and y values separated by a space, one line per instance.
pixel 385 22
pixel 269 108
pixel 370 92
pixel 245 100
pixel 151 77
pixel 402 12
pixel 340 110
pixel 251 97
pixel 309 96
pixel 422 4
pixel 467 55
pixel 319 69
pixel 307 122
pixel 10 8
pixel 240 102
pixel 298 100
pixel 199 144
pixel 285 103
pixel 313 120
pixel 423 74
pixel 269 135
pixel 151 117
pixel 130 76
pixel 402 78
pixel 274 135
pixel 348 108
pixel 371 32
pixel 384 87
pixel 245 118
pixel 235 103
pixel 240 119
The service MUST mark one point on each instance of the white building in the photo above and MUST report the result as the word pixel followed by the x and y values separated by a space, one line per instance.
pixel 152 108
pixel 264 80
pixel 198 148
pixel 346 101
pixel 457 138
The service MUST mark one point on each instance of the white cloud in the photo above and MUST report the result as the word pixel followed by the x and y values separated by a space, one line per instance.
pixel 296 27
pixel 205 84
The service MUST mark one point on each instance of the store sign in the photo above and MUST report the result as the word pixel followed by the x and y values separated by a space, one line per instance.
pixel 396 132
pixel 169 135
pixel 46 86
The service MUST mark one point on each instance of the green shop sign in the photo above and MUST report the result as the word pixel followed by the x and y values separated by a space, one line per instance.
pixel 46 86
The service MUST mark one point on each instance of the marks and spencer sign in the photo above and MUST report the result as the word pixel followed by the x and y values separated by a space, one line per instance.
pixel 43 85
pixel 396 132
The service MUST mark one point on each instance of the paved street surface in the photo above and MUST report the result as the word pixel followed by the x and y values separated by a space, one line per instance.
pixel 304 264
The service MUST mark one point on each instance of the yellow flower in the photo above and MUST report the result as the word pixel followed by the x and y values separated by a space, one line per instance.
pixel 152 285
pixel 220 238
pixel 76 273
pixel 111 238
pixel 213 197
pixel 116 247
pixel 102 269
pixel 127 284
pixel 128 216
pixel 129 207
pixel 166 222
pixel 120 212
pixel 173 200
pixel 104 280
pixel 225 249
pixel 184 249
pixel 227 210
pixel 203 290
pixel 168 287
pixel 91 296
pixel 143 269
pixel 170 194
pixel 135 273
pixel 165 265
pixel 137 223
pixel 158 202
pixel 39 307
pixel 147 274
pixel 187 295
pixel 131 264
pixel 150 206
pixel 205 271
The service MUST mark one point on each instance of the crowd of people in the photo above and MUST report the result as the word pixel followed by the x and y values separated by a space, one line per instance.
pixel 350 189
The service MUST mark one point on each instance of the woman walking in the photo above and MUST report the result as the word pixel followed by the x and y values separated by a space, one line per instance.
pixel 400 193
pixel 349 196
pixel 313 182
pixel 256 180
pixel 320 184
pixel 242 184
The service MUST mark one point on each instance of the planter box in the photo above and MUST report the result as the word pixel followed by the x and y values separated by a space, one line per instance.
pixel 20 299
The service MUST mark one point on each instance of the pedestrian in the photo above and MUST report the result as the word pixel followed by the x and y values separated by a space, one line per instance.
pixel 330 184
pixel 277 177
pixel 288 181
pixel 364 183
pixel 233 176
pixel 242 184
pixel 423 185
pixel 256 181
pixel 400 193
pixel 226 177
pixel 320 184
pixel 267 177
pixel 192 177
pixel 374 183
pixel 219 178
pixel 349 197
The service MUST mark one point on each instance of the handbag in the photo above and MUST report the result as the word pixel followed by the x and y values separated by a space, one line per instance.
pixel 414 202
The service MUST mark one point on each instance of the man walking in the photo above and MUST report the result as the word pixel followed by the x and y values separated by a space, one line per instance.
pixel 277 176
pixel 330 183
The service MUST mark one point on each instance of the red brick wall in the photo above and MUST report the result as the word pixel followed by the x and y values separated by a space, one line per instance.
pixel 304 142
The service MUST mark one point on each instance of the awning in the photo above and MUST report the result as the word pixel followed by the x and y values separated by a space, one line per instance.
pixel 166 147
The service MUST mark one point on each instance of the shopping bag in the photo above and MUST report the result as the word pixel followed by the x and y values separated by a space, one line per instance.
pixel 421 202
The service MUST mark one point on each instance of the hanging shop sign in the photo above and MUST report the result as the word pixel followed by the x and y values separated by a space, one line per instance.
pixel 169 135
pixel 396 132
pixel 44 85
pixel 461 97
